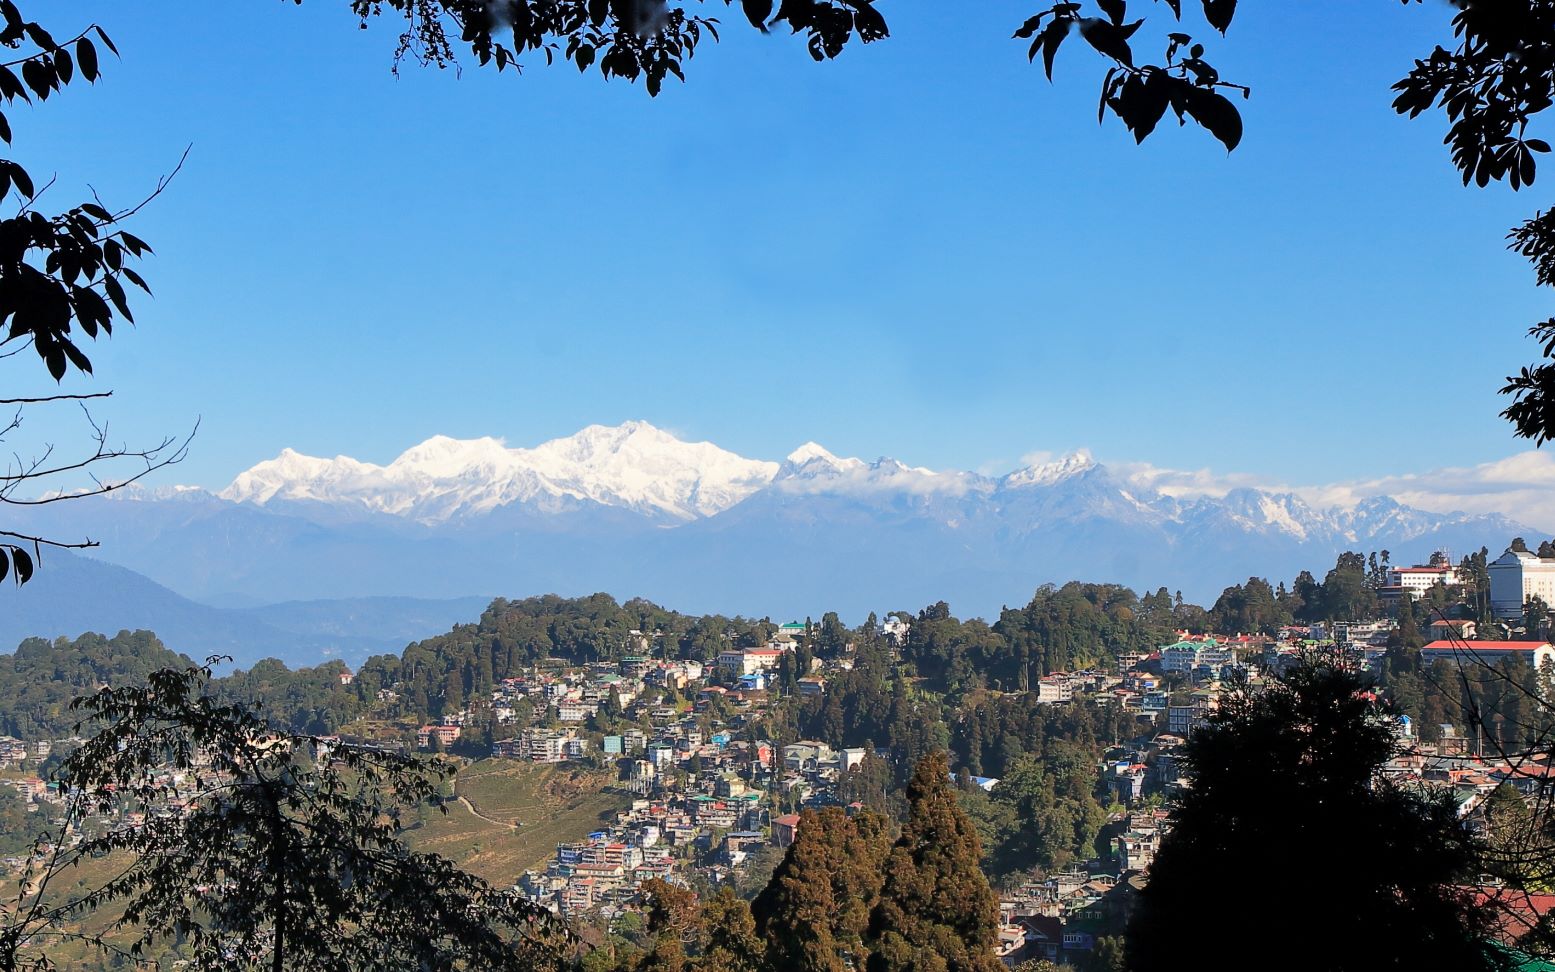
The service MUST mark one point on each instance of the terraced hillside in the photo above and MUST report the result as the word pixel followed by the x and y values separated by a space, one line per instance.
pixel 509 816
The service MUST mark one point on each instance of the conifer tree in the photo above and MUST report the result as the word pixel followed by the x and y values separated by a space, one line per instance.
pixel 729 939
pixel 936 910
pixel 1364 873
pixel 815 912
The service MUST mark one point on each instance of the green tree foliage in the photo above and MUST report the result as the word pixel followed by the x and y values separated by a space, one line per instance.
pixel 441 674
pixel 39 680
pixel 19 828
pixel 992 732
pixel 871 704
pixel 308 700
pixel 285 852
pixel 1060 629
pixel 815 912
pixel 831 637
pixel 730 942
pixel 1348 592
pixel 1253 608
pixel 1520 851
pixel 936 910
pixel 1044 812
pixel 1289 781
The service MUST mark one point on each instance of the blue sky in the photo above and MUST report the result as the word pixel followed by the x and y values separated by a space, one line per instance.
pixel 922 250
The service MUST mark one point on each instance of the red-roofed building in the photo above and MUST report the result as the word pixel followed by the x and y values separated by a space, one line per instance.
pixel 1535 653
pixel 1516 912
pixel 784 829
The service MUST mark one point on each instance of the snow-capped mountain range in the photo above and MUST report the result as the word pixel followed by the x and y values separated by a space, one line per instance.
pixel 633 466
pixel 634 510
pixel 648 471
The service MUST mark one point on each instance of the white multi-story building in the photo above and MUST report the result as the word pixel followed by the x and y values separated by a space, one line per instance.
pixel 1054 688
pixel 543 746
pixel 1186 656
pixel 750 661
pixel 1515 577
pixel 1415 581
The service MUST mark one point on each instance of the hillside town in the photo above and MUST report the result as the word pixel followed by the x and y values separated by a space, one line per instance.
pixel 707 800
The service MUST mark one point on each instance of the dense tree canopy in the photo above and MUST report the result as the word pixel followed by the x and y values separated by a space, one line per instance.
pixel 1288 783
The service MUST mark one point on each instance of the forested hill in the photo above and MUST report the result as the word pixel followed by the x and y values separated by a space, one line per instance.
pixel 40 678
pixel 1060 628
pixel 439 674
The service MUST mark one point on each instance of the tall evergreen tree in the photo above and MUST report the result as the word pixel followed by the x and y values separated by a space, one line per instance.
pixel 936 910
pixel 1363 873
pixel 729 939
pixel 815 912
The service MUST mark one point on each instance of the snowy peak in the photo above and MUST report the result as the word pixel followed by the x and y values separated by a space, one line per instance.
pixel 813 469
pixel 634 466
pixel 813 461
pixel 292 475
pixel 1050 473
pixel 809 451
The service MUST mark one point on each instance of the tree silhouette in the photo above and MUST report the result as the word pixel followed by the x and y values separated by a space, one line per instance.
pixel 1364 873
pixel 64 278
pixel 265 849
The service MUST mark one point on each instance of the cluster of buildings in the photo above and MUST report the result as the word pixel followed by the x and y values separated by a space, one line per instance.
pixel 14 752
pixel 1059 918
pixel 706 808
pixel 705 795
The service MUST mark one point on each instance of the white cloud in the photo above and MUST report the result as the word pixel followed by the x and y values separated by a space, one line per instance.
pixel 1188 483
pixel 1521 487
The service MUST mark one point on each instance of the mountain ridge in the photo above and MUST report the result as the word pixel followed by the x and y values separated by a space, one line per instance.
pixel 632 510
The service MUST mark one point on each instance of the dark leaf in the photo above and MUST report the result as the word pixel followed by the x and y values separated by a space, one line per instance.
pixel 10 85
pixel 1219 13
pixel 106 42
pixel 1051 38
pixel 1030 27
pixel 1114 9
pixel 1107 39
pixel 22 180
pixel 136 279
pixel 40 37
pixel 77 358
pixel 23 564
pixel 758 12
pixel 86 59
pixel 1215 112
pixel 38 78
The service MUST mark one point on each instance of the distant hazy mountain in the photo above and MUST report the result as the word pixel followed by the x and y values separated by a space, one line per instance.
pixel 632 510
pixel 71 595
